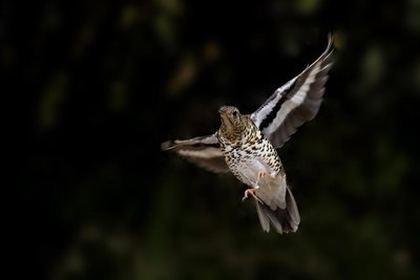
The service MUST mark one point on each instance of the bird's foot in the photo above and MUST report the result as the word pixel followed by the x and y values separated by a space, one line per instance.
pixel 250 192
pixel 261 174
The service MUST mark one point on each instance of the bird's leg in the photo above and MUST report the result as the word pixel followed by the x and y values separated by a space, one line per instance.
pixel 266 170
pixel 250 191
pixel 260 175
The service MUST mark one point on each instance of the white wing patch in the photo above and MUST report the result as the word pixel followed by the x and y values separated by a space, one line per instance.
pixel 203 150
pixel 259 115
pixel 205 154
pixel 295 102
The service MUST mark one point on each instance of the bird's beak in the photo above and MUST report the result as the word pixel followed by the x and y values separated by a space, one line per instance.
pixel 224 115
pixel 223 110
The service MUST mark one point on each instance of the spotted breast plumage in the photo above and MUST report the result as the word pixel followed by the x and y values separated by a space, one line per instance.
pixel 246 144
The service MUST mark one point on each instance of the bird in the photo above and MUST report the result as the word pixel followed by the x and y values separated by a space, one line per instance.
pixel 246 144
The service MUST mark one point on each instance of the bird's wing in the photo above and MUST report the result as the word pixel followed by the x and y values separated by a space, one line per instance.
pixel 204 151
pixel 294 103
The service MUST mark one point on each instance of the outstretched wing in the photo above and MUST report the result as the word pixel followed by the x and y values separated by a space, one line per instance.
pixel 294 103
pixel 203 151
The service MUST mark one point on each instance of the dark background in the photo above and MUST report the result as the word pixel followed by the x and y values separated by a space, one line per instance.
pixel 102 85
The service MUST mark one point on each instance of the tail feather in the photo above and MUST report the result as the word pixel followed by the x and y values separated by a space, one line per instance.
pixel 283 220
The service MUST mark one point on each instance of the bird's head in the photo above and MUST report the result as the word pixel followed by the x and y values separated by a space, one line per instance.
pixel 235 127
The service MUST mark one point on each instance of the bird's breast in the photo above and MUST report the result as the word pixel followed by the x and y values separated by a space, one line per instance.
pixel 246 161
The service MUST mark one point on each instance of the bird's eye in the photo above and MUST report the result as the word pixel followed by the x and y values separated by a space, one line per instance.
pixel 235 113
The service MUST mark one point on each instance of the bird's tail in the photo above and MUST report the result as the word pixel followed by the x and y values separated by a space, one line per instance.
pixel 284 218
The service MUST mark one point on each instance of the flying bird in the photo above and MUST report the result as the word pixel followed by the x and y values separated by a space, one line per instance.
pixel 246 144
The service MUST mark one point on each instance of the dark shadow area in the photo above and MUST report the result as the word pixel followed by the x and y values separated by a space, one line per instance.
pixel 102 85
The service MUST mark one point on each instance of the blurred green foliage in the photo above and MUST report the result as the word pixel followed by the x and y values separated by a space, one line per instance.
pixel 107 82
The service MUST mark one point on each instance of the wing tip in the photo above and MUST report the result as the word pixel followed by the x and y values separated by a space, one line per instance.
pixel 330 40
pixel 167 145
pixel 330 47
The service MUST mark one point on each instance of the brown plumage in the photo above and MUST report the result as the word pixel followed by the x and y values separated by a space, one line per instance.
pixel 254 161
pixel 246 144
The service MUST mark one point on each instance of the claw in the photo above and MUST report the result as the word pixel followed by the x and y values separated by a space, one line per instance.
pixel 261 174
pixel 250 192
